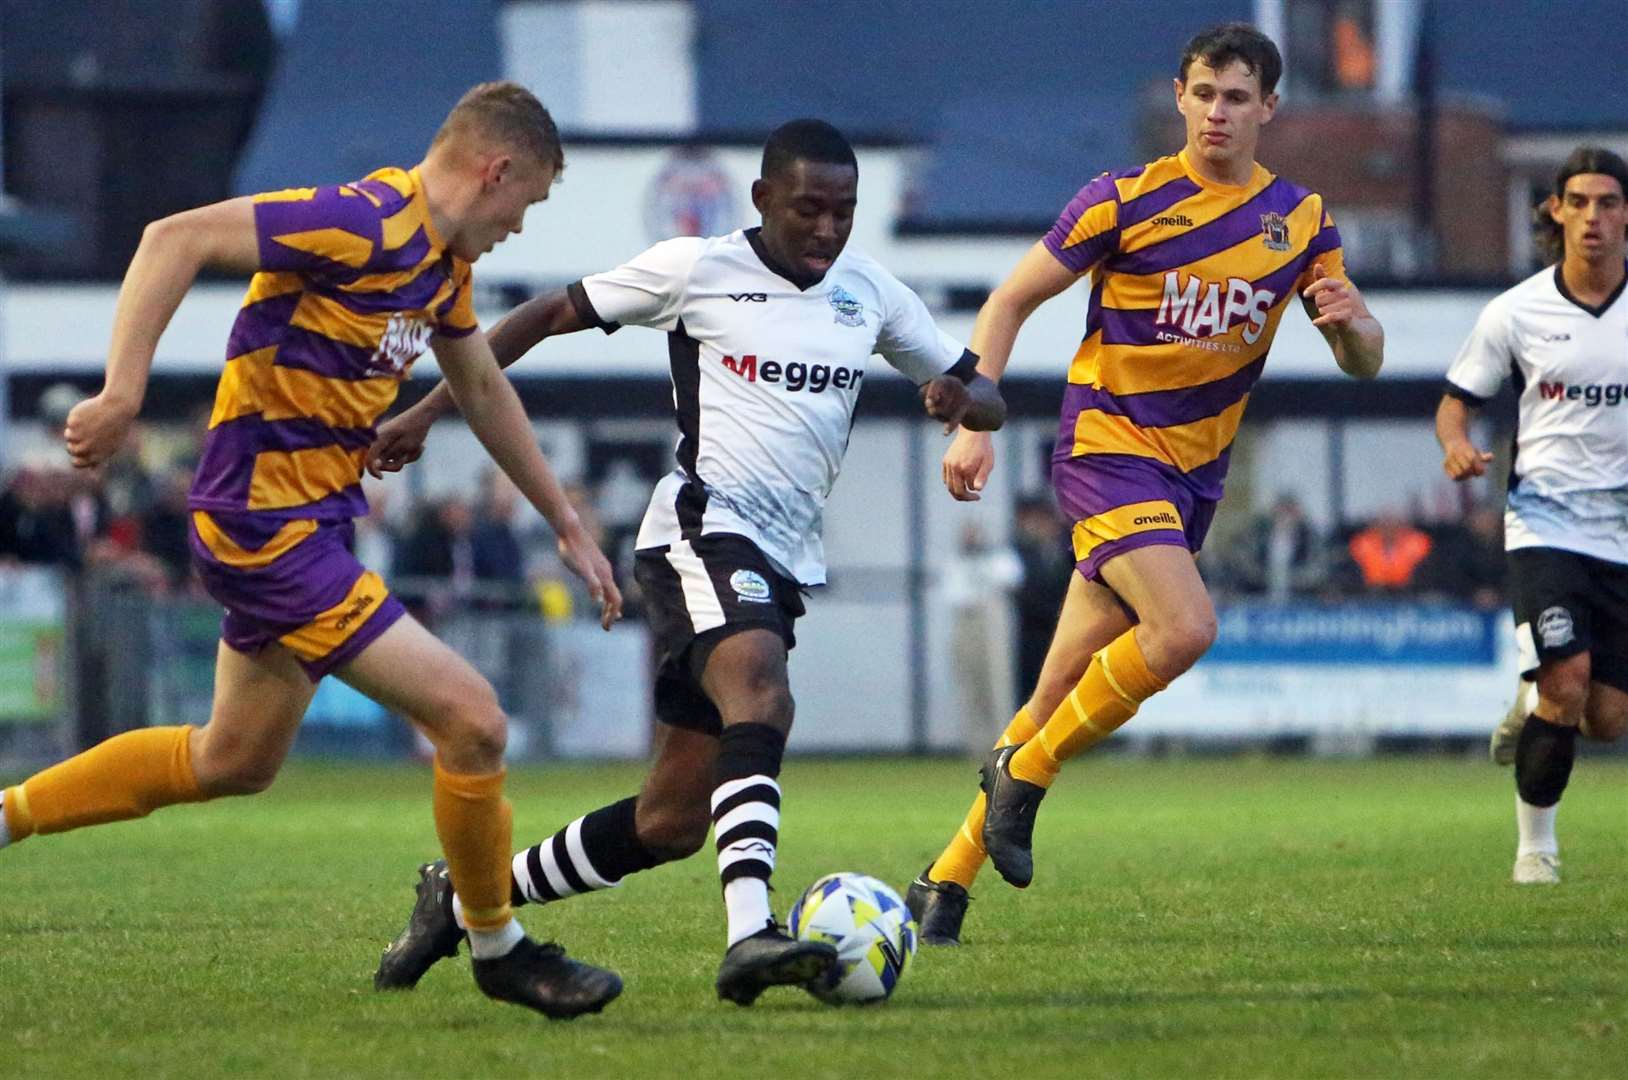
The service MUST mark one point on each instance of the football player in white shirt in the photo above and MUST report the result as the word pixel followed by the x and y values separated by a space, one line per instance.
pixel 769 330
pixel 1563 335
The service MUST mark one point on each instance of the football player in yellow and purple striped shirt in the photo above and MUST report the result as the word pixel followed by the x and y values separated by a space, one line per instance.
pixel 351 283
pixel 1192 259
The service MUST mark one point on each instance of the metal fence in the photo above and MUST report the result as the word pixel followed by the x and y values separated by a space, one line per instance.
pixel 93 655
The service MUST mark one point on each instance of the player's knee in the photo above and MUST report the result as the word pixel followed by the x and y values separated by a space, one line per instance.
pixel 672 831
pixel 1184 638
pixel 473 722
pixel 762 695
pixel 769 703
pixel 1604 723
pixel 485 731
pixel 227 764
pixel 234 774
pixel 1565 685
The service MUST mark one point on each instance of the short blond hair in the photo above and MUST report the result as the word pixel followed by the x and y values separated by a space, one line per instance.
pixel 507 113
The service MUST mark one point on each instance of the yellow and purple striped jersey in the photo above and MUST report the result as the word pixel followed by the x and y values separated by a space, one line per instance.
pixel 1189 279
pixel 353 282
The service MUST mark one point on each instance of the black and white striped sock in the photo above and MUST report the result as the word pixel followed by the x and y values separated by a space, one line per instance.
pixel 746 823
pixel 596 851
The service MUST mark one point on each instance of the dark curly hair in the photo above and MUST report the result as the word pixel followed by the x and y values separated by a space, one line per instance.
pixel 1237 42
pixel 1550 237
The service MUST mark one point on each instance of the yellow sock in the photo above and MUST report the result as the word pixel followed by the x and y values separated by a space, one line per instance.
pixel 127 776
pixel 1110 692
pixel 965 855
pixel 474 822
pixel 14 812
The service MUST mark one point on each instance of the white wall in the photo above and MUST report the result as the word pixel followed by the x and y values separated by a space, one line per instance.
pixel 613 66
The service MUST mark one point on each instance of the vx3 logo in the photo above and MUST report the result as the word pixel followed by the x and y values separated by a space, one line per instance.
pixel 749 297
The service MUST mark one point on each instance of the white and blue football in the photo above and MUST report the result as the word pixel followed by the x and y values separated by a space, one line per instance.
pixel 872 930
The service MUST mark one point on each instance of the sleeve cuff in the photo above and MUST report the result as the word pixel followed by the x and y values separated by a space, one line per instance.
pixel 1453 390
pixel 966 368
pixel 585 308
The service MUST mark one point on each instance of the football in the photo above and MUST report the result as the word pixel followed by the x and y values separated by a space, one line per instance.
pixel 872 930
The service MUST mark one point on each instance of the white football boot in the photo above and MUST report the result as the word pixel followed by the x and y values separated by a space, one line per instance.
pixel 1537 868
pixel 1508 732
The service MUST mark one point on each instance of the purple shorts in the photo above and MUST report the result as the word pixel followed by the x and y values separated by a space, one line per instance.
pixel 1120 503
pixel 293 583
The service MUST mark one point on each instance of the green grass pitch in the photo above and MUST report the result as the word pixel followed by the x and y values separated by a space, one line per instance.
pixel 1234 917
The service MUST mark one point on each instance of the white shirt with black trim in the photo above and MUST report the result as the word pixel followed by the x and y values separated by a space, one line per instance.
pixel 765 379
pixel 1569 485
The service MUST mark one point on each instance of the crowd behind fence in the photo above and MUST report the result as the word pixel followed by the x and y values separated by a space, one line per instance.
pixel 138 636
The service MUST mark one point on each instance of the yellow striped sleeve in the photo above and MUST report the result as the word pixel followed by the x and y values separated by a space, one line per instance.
pixel 1094 222
pixel 339 245
pixel 304 194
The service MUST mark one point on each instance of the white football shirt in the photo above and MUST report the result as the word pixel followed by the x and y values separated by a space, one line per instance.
pixel 1569 486
pixel 765 379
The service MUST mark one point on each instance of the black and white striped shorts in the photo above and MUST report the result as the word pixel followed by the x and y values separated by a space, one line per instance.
pixel 698 592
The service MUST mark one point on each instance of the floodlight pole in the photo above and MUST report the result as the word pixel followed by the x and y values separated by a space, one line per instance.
pixel 5 363
pixel 5 382
pixel 916 516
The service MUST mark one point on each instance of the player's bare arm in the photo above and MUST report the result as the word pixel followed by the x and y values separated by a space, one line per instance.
pixel 976 405
pixel 1461 458
pixel 1037 278
pixel 400 440
pixel 497 418
pixel 172 252
pixel 1338 310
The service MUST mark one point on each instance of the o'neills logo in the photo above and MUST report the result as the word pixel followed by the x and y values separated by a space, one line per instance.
pixel 1180 220
pixel 1164 517
pixel 363 602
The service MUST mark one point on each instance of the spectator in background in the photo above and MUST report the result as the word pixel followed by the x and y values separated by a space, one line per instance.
pixel 163 527
pixel 1280 554
pixel 375 543
pixel 1388 553
pixel 127 493
pixel 623 494
pixel 498 563
pixel 556 590
pixel 1467 561
pixel 436 559
pixel 1047 562
pixel 975 583
pixel 36 520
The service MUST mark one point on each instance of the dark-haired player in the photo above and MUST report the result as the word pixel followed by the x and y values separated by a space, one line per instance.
pixel 769 330
pixel 1562 333
pixel 1193 260
pixel 351 283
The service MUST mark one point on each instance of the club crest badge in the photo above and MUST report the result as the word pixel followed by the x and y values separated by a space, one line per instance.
pixel 1555 627
pixel 750 586
pixel 848 308
pixel 1275 232
pixel 690 196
